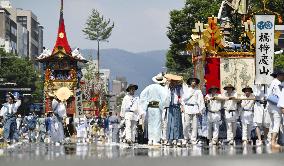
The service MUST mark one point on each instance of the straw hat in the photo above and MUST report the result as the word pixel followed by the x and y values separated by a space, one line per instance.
pixel 159 78
pixel 173 77
pixel 63 93
pixel 247 88
pixel 229 86
pixel 213 87
pixel 189 80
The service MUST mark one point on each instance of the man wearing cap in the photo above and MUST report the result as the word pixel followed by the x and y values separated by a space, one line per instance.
pixel 231 112
pixel 214 106
pixel 247 108
pixel 129 111
pixel 8 112
pixel 192 107
pixel 174 125
pixel 153 99
pixel 275 112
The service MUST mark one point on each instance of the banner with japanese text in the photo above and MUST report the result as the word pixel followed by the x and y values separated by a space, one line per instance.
pixel 79 104
pixel 264 48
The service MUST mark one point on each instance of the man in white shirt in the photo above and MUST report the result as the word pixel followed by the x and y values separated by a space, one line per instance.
pixel 231 112
pixel 192 107
pixel 247 106
pixel 275 112
pixel 129 112
pixel 8 112
pixel 214 115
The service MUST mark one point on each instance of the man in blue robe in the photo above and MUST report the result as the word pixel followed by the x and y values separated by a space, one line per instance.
pixel 174 125
pixel 153 99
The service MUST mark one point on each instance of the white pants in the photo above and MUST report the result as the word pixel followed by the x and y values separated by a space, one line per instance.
pixel 214 120
pixel 164 124
pixel 275 121
pixel 231 130
pixel 190 126
pixel 215 133
pixel 246 131
pixel 130 129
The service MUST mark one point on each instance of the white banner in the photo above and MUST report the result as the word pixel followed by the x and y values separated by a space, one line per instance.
pixel 264 48
pixel 79 104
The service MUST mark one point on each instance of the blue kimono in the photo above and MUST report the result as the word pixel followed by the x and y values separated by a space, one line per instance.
pixel 57 131
pixel 174 127
pixel 153 99
pixel 114 128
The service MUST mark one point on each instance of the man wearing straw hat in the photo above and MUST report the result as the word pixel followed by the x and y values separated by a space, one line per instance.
pixel 59 111
pixel 8 112
pixel 214 114
pixel 129 111
pixel 231 112
pixel 174 125
pixel 247 108
pixel 153 100
pixel 192 107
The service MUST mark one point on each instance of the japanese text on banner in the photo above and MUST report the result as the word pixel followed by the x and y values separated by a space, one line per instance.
pixel 264 48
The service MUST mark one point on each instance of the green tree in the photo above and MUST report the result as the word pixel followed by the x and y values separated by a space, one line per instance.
pixel 22 72
pixel 98 29
pixel 180 29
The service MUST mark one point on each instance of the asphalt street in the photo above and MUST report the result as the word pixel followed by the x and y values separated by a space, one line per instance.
pixel 27 154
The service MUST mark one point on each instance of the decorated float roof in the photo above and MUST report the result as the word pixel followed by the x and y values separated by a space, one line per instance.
pixel 62 46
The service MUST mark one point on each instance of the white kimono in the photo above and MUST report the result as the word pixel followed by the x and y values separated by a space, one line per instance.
pixel 214 106
pixel 193 103
pixel 158 93
pixel 193 100
pixel 130 112
pixel 247 110
pixel 231 105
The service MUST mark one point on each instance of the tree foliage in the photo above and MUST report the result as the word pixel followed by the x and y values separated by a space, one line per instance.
pixel 97 28
pixel 180 29
pixel 22 72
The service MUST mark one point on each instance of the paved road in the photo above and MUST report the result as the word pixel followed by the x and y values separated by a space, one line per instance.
pixel 92 154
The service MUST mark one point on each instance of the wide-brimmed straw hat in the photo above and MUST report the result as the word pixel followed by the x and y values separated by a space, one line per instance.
pixel 131 86
pixel 247 88
pixel 63 93
pixel 213 87
pixel 189 80
pixel 159 78
pixel 173 77
pixel 229 86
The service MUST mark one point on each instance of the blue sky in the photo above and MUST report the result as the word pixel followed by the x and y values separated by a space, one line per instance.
pixel 140 25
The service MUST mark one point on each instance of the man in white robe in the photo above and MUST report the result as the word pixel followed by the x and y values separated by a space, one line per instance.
pixel 275 112
pixel 247 106
pixel 231 112
pixel 214 115
pixel 192 107
pixel 129 112
pixel 153 99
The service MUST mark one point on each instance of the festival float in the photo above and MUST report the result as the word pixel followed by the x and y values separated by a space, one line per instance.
pixel 62 72
pixel 218 62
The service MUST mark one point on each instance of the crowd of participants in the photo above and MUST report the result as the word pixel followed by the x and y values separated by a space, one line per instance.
pixel 170 112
